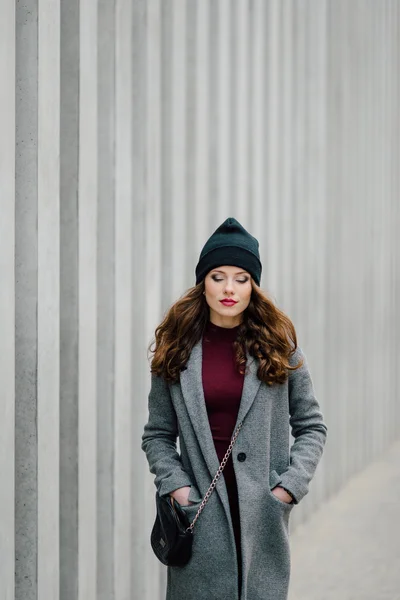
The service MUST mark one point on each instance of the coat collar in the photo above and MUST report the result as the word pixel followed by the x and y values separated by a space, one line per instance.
pixel 192 391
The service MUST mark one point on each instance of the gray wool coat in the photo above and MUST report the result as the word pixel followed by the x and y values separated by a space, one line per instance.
pixel 268 414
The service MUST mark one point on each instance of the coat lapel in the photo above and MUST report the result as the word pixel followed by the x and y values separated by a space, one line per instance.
pixel 192 391
pixel 251 386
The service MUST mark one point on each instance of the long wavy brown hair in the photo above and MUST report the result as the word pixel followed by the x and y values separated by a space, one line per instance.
pixel 266 332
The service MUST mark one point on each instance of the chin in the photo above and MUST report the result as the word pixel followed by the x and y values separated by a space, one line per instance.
pixel 229 311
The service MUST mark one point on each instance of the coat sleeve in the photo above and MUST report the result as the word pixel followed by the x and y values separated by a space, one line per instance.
pixel 308 429
pixel 159 440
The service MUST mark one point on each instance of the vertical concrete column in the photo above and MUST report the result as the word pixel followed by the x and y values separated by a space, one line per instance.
pixel 357 292
pixel 384 247
pixel 69 181
pixel 123 441
pixel 215 89
pixel 26 299
pixel 273 115
pixel 389 211
pixel 153 259
pixel 87 425
pixel 375 66
pixel 334 129
pixel 7 297
pixel 202 200
pixel 166 133
pixel 106 296
pixel 287 205
pixel 395 251
pixel 190 132
pixel 350 268
pixel 177 145
pixel 48 306
pixel 318 158
pixel 300 194
pixel 341 275
pixel 257 126
pixel 143 581
pixel 370 132
pixel 240 173
pixel 377 409
pixel 220 118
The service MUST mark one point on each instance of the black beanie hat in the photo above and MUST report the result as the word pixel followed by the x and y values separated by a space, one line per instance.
pixel 230 244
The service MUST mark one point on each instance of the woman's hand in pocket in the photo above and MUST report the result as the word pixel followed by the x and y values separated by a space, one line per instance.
pixel 181 495
pixel 282 494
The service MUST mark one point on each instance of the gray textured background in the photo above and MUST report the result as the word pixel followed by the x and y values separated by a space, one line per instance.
pixel 129 131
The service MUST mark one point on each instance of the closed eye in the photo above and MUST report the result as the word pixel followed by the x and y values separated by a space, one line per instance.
pixel 218 279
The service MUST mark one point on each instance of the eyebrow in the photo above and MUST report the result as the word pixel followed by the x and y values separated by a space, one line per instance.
pixel 224 272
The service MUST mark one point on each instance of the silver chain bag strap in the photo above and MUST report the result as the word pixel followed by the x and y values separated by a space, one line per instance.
pixel 217 476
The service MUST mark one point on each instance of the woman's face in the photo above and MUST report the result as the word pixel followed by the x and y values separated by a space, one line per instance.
pixel 230 284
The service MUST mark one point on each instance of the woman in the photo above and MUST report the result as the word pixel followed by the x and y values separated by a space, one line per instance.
pixel 224 354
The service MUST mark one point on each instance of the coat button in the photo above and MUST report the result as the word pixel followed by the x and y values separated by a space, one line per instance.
pixel 241 457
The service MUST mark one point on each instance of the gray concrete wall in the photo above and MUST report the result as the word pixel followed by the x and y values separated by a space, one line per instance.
pixel 130 131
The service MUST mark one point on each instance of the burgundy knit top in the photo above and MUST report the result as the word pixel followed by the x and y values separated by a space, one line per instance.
pixel 223 386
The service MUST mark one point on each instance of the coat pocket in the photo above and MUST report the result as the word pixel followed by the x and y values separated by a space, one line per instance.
pixel 195 498
pixel 194 495
pixel 191 510
pixel 274 480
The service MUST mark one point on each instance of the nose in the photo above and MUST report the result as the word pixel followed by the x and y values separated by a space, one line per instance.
pixel 228 287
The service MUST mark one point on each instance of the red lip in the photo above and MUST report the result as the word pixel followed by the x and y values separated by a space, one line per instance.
pixel 228 302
